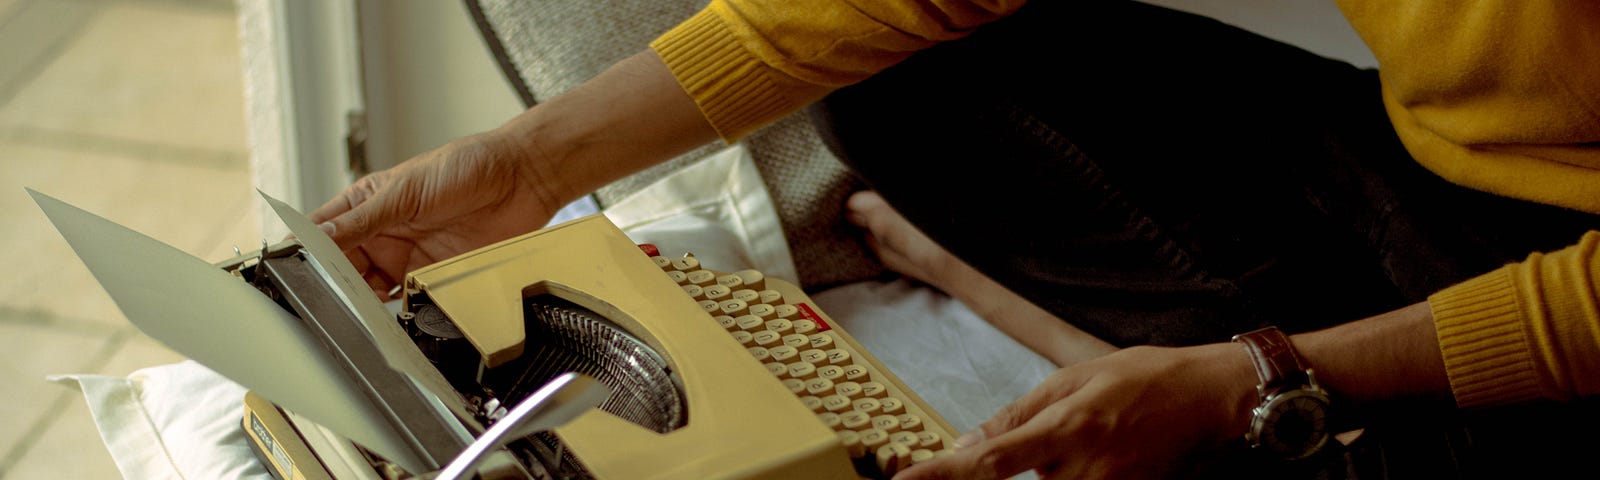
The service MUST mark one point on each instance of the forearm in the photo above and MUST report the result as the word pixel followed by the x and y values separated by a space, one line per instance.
pixel 1393 356
pixel 629 117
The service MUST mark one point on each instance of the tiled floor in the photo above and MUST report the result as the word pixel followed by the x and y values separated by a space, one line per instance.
pixel 132 109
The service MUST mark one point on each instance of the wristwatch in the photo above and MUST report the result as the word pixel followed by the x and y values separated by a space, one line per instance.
pixel 1292 421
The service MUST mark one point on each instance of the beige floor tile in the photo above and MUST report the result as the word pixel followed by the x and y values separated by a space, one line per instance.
pixel 73 432
pixel 35 352
pixel 71 448
pixel 201 211
pixel 142 73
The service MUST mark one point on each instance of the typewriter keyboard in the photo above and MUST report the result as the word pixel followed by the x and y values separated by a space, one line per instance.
pixel 880 422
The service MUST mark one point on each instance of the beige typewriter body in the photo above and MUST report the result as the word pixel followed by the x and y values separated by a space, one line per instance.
pixel 745 416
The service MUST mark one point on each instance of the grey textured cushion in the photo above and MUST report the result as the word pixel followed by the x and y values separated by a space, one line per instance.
pixel 548 47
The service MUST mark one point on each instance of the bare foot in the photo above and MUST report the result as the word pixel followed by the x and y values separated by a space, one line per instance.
pixel 904 249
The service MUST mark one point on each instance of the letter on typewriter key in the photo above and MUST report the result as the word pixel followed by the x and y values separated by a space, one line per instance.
pixel 679 277
pixel 663 262
pixel 796 340
pixel 820 387
pixel 746 295
pixel 892 406
pixel 731 281
pixel 873 438
pixel 874 389
pixel 910 422
pixel 784 354
pixel 745 338
pixel 727 322
pixel 766 338
pixel 929 440
pixel 761 353
pixel 780 325
pixel 695 292
pixel 839 405
pixel 709 306
pixel 814 357
pixel 838 356
pixel 686 264
pixel 909 439
pixel 703 278
pixel 734 308
pixel 887 423
pixel 716 292
pixel 749 323
pixel 856 373
pixel 856 420
pixel 821 340
pixel 771 297
pixel 867 405
pixel 850 390
pixel 831 372
pixel 763 310
pixel 803 370
pixel 893 457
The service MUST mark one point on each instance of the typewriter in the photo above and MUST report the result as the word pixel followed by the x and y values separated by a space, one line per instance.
pixel 706 373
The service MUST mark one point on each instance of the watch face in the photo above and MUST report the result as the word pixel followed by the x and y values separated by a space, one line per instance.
pixel 1294 423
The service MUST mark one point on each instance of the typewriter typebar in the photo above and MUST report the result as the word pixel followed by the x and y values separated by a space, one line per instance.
pixel 711 374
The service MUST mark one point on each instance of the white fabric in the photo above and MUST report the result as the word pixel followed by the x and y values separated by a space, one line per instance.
pixel 172 421
pixel 182 420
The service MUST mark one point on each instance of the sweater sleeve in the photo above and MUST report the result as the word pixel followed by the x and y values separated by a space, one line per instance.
pixel 747 63
pixel 1527 331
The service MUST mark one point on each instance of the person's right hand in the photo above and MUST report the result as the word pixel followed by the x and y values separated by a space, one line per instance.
pixel 469 193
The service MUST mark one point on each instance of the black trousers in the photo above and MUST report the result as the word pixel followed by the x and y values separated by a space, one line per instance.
pixel 1155 177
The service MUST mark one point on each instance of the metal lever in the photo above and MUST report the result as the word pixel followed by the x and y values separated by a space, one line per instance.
pixel 555 404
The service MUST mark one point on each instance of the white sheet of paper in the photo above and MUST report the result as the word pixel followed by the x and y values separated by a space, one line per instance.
pixel 220 321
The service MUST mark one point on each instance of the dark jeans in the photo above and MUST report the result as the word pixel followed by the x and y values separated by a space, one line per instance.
pixel 1155 177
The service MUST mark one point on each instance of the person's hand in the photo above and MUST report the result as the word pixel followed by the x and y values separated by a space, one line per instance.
pixel 1141 412
pixel 469 193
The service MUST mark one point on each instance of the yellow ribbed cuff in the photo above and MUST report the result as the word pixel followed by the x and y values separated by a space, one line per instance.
pixel 735 90
pixel 1486 349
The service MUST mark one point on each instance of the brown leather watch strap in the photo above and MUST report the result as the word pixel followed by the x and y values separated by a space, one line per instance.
pixel 1274 358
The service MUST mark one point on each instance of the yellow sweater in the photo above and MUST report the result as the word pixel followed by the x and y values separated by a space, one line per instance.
pixel 1501 96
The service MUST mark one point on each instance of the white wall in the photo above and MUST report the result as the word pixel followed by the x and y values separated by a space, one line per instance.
pixel 429 78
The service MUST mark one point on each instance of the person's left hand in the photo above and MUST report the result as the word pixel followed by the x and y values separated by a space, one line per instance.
pixel 1141 412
